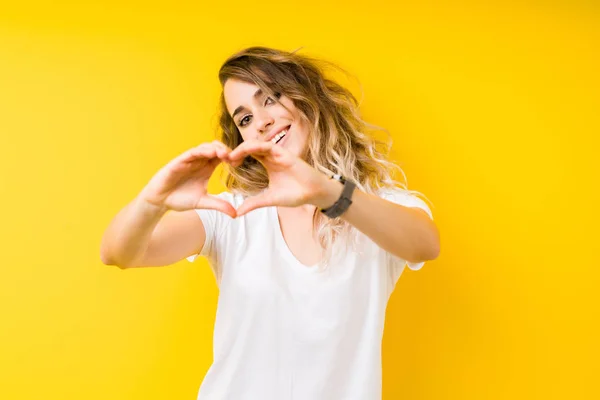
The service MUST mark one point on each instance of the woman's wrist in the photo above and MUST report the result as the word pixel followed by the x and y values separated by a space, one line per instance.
pixel 328 193
pixel 149 209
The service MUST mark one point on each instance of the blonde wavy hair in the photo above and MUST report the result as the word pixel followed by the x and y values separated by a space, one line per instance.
pixel 338 139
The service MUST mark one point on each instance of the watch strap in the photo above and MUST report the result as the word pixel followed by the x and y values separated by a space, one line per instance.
pixel 345 200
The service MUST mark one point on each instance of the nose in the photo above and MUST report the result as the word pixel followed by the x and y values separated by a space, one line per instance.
pixel 263 121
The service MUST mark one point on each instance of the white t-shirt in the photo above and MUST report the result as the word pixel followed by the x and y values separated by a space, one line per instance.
pixel 287 331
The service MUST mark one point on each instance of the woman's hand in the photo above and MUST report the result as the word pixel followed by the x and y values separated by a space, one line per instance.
pixel 182 183
pixel 292 182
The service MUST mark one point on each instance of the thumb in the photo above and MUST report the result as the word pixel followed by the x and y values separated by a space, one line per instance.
pixel 214 203
pixel 265 199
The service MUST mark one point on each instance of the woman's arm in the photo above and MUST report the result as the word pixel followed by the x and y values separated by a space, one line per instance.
pixel 143 235
pixel 406 232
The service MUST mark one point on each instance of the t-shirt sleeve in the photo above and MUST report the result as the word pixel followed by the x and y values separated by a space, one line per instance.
pixel 405 198
pixel 215 225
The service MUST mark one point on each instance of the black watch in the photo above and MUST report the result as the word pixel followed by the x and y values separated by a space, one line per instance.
pixel 340 206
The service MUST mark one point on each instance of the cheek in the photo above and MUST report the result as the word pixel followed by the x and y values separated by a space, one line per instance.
pixel 303 128
pixel 248 133
pixel 288 108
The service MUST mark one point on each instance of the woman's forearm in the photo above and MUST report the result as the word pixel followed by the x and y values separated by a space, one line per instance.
pixel 406 232
pixel 127 237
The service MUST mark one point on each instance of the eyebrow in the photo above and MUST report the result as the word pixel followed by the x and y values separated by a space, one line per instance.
pixel 257 94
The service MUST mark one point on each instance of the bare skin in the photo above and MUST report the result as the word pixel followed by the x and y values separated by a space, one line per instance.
pixel 160 227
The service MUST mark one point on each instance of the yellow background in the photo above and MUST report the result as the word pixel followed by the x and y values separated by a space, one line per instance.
pixel 494 111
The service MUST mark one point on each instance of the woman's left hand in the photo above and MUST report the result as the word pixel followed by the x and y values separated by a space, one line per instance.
pixel 292 182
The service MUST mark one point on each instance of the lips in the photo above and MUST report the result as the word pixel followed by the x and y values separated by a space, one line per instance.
pixel 276 138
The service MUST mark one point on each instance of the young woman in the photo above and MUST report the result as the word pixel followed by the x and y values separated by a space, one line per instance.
pixel 306 245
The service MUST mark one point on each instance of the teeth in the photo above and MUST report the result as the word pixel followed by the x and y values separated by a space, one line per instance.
pixel 279 136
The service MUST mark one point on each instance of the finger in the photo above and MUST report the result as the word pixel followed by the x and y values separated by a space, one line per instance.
pixel 222 153
pixel 196 158
pixel 202 164
pixel 236 163
pixel 254 148
pixel 204 151
pixel 221 145
pixel 183 157
pixel 264 199
pixel 208 151
pixel 214 203
pixel 222 150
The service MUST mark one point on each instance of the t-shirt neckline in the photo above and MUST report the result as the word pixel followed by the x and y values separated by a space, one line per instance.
pixel 296 264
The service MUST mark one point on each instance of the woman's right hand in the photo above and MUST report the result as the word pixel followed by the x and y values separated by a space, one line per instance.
pixel 182 184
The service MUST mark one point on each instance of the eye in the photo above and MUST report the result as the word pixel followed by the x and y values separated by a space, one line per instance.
pixel 270 100
pixel 246 118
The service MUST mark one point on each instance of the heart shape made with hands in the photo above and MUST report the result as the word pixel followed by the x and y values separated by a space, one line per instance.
pixel 292 181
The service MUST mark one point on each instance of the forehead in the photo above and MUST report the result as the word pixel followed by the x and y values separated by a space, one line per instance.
pixel 238 93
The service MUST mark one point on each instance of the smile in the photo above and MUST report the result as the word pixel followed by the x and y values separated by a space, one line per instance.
pixel 277 138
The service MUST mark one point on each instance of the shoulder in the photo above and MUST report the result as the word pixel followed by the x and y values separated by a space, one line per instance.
pixel 405 197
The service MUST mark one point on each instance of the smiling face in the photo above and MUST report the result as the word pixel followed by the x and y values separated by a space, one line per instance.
pixel 260 117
